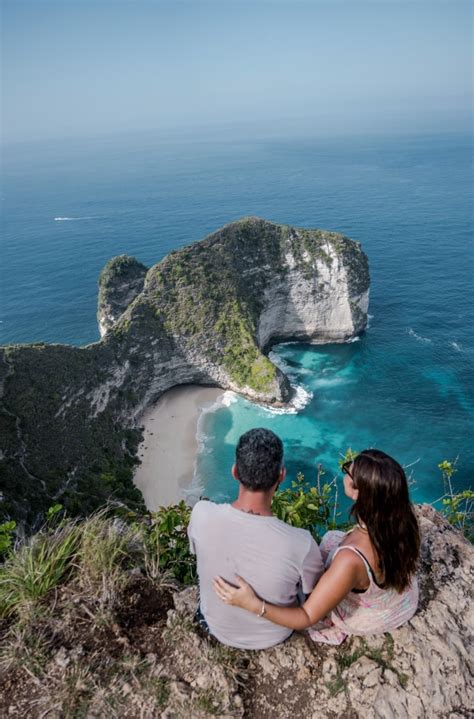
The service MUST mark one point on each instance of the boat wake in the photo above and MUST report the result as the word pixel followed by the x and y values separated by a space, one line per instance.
pixel 71 219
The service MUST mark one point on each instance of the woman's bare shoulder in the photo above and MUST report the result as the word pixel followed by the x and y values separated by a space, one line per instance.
pixel 350 562
pixel 348 558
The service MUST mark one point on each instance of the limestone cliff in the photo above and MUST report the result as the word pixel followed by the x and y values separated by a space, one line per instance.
pixel 205 314
pixel 125 276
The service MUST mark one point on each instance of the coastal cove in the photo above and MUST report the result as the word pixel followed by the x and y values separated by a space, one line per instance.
pixel 404 386
pixel 346 398
pixel 236 359
pixel 200 428
pixel 203 315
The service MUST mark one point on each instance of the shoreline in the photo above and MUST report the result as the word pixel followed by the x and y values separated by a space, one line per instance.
pixel 170 445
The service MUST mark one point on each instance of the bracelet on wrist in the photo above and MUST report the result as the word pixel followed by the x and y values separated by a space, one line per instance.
pixel 263 610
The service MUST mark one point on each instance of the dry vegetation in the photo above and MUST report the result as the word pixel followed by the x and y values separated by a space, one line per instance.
pixel 84 631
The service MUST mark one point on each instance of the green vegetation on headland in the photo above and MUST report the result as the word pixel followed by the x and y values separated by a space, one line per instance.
pixel 53 449
pixel 123 269
pixel 213 293
pixel 120 281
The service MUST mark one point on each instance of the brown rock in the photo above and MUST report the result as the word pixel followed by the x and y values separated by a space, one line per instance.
pixel 420 670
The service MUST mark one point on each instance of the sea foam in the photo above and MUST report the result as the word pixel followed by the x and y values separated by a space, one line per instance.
pixel 196 488
pixel 301 396
pixel 300 399
pixel 419 338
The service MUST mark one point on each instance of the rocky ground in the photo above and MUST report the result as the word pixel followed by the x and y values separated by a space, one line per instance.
pixel 139 653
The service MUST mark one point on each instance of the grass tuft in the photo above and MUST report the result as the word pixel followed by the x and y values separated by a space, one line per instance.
pixel 106 549
pixel 37 567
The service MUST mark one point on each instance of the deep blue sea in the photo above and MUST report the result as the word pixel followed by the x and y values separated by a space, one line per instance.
pixel 406 386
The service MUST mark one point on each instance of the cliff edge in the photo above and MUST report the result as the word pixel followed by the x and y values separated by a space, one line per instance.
pixel 108 642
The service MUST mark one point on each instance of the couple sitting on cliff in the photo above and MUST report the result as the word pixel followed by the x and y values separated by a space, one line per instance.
pixel 260 578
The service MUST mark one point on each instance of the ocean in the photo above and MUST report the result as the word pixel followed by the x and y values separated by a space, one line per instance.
pixel 406 386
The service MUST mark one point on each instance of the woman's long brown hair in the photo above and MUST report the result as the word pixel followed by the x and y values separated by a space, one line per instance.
pixel 383 504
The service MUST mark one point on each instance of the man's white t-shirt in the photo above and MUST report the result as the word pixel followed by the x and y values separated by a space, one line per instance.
pixel 276 559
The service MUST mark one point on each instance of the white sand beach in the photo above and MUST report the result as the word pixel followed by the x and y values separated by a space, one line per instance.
pixel 169 447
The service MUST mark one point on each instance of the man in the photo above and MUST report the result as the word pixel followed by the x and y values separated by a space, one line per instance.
pixel 245 539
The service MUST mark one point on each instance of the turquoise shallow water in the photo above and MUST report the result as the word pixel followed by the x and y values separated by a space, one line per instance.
pixel 352 401
pixel 406 386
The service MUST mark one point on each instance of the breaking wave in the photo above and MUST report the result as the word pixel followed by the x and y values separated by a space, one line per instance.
pixel 419 338
pixel 332 381
pixel 223 400
pixel 300 399
pixel 197 485
pixel 227 398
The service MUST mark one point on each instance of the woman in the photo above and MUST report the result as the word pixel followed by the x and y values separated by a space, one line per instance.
pixel 369 585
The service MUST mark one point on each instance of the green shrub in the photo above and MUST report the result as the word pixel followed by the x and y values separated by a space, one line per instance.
pixel 458 510
pixel 457 507
pixel 166 544
pixel 7 530
pixel 306 506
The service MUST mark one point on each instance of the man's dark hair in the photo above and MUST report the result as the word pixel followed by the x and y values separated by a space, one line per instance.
pixel 259 459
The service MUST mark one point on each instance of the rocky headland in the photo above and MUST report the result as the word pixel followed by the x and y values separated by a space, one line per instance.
pixel 206 314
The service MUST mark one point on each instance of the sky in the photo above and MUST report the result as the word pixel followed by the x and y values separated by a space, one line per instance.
pixel 77 68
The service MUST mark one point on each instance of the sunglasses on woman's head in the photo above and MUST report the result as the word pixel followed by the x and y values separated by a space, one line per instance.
pixel 346 469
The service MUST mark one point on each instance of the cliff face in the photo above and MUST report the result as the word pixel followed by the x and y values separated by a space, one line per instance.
pixel 205 314
pixel 120 282
pixel 323 294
